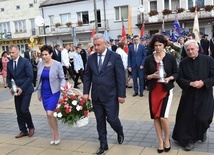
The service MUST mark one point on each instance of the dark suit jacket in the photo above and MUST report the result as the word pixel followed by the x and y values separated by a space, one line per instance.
pixel 212 47
pixel 55 56
pixel 110 82
pixel 23 77
pixel 114 48
pixel 27 55
pixel 84 56
pixel 205 45
pixel 136 58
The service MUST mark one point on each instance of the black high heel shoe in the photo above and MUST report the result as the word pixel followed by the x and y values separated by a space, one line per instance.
pixel 169 148
pixel 160 150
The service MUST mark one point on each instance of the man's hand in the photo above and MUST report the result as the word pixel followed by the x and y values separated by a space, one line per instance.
pixel 121 100
pixel 197 84
pixel 85 96
pixel 19 91
pixel 76 71
pixel 141 67
pixel 130 69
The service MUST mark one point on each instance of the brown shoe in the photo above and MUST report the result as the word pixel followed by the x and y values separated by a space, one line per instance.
pixel 31 132
pixel 21 134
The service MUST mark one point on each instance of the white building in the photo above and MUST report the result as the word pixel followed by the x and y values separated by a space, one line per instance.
pixel 186 18
pixel 17 23
pixel 63 11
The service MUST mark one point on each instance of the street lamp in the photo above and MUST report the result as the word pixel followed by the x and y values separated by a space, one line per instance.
pixel 73 33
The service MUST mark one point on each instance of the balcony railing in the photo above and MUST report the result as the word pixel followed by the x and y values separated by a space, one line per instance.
pixel 180 16
pixel 64 30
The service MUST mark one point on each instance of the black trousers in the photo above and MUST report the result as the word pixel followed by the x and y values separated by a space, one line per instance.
pixel 78 75
pixel 69 71
pixel 24 118
pixel 109 110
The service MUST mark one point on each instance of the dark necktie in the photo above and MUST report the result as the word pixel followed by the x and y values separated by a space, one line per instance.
pixel 100 62
pixel 14 66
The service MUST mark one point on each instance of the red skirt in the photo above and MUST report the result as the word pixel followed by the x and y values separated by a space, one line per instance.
pixel 157 96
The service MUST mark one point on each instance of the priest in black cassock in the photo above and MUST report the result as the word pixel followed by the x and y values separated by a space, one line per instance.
pixel 195 111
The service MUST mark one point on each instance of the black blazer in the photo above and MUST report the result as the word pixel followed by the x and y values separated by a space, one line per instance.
pixel 27 54
pixel 110 82
pixel 55 56
pixel 170 67
pixel 23 76
pixel 212 47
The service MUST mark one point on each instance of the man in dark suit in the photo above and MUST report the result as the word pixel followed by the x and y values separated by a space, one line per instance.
pixel 205 43
pixel 56 53
pixel 113 46
pixel 136 57
pixel 105 71
pixel 83 54
pixel 20 69
pixel 212 47
pixel 28 53
pixel 191 36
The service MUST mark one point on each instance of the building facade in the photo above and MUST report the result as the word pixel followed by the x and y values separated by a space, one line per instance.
pixel 110 15
pixel 72 21
pixel 17 23
pixel 154 23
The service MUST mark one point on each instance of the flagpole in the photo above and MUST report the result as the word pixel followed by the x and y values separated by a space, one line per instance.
pixel 95 15
pixel 104 9
pixel 163 26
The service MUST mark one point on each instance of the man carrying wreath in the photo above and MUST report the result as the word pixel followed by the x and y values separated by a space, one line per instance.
pixel 105 72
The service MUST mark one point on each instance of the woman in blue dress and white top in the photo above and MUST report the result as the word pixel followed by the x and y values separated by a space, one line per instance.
pixel 50 78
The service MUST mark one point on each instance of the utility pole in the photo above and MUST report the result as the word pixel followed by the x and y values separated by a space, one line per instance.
pixel 104 9
pixel 95 16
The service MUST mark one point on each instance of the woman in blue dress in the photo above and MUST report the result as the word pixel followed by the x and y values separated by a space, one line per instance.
pixel 50 78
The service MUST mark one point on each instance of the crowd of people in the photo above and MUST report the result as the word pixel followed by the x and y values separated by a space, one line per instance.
pixel 187 62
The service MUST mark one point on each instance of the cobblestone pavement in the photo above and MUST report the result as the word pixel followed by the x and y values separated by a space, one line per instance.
pixel 140 137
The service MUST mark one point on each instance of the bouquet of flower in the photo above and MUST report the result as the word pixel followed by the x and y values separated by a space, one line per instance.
pixel 72 108
pixel 172 51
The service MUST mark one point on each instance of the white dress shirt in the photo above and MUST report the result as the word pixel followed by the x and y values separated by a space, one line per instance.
pixel 78 63
pixel 65 58
pixel 124 56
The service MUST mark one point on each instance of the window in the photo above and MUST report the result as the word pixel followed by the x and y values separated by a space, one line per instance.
pixel 166 4
pixel 30 5
pixel 121 12
pixel 51 18
pixel 20 26
pixel 153 5
pixel 17 7
pixel 199 3
pixel 33 30
pixel 2 9
pixel 65 18
pixel 175 5
pixel 83 16
pixel 5 27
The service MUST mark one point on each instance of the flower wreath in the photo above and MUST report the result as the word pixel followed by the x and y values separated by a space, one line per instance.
pixel 72 108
